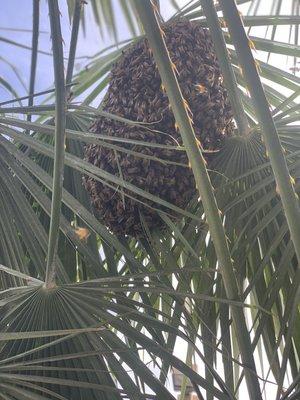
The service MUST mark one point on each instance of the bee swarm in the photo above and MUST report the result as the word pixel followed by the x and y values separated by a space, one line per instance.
pixel 135 92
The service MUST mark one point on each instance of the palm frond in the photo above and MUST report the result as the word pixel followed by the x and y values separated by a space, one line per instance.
pixel 111 327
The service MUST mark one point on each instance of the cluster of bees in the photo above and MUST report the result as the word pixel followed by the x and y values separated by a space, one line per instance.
pixel 135 92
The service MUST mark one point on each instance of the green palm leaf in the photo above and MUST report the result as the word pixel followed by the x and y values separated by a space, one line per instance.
pixel 101 316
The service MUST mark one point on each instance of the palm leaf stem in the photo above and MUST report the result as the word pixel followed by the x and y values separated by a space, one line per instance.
pixel 154 35
pixel 60 122
pixel 213 23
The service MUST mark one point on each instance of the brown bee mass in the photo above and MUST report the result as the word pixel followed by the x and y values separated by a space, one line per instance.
pixel 135 92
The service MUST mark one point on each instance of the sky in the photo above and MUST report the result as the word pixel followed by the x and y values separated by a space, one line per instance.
pixel 17 14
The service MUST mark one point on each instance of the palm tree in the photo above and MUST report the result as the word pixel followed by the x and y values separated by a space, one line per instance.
pixel 88 314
